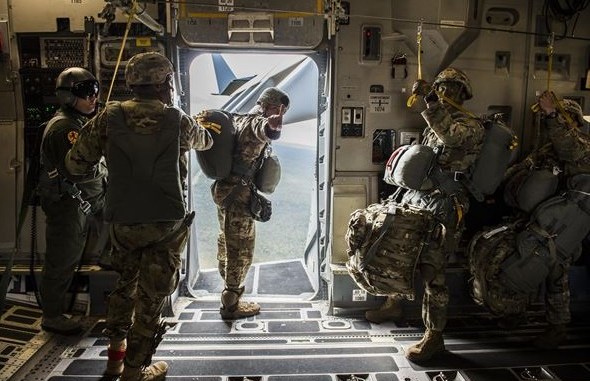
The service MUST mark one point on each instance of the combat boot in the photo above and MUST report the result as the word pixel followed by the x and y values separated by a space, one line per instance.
pixel 155 372
pixel 233 308
pixel 552 337
pixel 116 354
pixel 432 343
pixel 61 324
pixel 390 310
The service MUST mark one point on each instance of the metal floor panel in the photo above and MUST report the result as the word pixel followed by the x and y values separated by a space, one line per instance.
pixel 328 348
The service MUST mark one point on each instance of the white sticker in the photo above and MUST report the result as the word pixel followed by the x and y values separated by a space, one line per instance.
pixel 296 21
pixel 226 5
pixel 379 103
pixel 451 23
pixel 359 295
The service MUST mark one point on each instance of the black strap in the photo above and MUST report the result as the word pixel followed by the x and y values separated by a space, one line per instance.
pixel 245 179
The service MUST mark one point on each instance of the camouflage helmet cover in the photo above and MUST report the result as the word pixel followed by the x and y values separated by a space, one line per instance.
pixel 149 68
pixel 274 96
pixel 573 108
pixel 451 74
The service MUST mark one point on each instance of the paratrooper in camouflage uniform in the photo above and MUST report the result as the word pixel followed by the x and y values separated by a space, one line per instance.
pixel 566 153
pixel 237 235
pixel 458 138
pixel 144 141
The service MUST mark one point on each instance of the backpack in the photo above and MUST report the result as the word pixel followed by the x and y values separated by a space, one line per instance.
pixel 487 251
pixel 493 160
pixel 384 243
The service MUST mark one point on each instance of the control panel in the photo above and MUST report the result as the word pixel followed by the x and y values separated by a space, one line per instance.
pixel 352 120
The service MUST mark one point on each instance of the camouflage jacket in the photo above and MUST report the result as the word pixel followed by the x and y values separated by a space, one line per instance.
pixel 571 146
pixel 141 114
pixel 459 135
pixel 567 151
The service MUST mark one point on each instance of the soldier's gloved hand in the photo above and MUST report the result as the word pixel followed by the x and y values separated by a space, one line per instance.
pixel 202 121
pixel 431 97
pixel 421 87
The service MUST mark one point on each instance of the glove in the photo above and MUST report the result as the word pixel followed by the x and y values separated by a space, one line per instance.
pixel 421 87
pixel 202 121
pixel 431 97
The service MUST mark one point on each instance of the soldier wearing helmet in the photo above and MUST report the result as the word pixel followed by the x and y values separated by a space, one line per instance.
pixel 458 137
pixel 565 154
pixel 68 225
pixel 144 141
pixel 254 133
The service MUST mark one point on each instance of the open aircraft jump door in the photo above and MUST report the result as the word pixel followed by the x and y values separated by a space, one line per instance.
pixel 272 29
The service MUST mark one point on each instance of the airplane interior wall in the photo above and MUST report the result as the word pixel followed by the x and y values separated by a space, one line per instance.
pixel 374 53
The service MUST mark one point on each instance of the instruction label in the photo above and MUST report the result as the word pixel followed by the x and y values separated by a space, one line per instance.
pixel 379 103
pixel 226 5
pixel 359 295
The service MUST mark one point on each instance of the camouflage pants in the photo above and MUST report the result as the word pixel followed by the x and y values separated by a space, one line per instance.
pixel 235 245
pixel 434 259
pixel 557 295
pixel 147 258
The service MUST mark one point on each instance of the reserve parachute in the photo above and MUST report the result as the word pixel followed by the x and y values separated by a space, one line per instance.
pixel 415 167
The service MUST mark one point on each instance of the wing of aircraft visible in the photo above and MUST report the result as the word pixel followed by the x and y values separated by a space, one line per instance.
pixel 298 77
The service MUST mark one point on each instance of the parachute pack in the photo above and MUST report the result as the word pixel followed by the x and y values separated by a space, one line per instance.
pixel 509 262
pixel 384 243
pixel 495 155
pixel 217 162
pixel 414 166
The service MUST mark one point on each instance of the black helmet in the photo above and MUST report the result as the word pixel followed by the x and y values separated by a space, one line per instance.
pixel 75 82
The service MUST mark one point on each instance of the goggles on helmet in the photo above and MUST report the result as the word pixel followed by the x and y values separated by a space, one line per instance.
pixel 85 89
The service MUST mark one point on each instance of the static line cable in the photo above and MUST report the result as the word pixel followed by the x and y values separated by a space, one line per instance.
pixel 130 15
pixel 558 104
pixel 413 97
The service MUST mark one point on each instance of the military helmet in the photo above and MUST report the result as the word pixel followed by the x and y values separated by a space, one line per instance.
pixel 274 96
pixel 451 74
pixel 574 110
pixel 75 82
pixel 149 68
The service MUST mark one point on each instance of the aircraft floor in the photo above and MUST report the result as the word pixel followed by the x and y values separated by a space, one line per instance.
pixel 299 341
